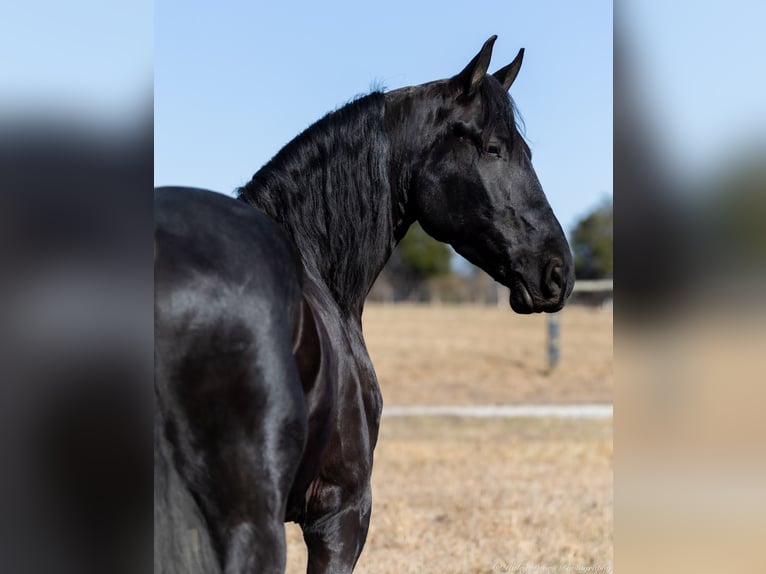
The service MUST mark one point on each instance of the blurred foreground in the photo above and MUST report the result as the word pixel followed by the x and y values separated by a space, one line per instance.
pixel 690 197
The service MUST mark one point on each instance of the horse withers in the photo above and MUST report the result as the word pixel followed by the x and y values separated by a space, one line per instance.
pixel 268 407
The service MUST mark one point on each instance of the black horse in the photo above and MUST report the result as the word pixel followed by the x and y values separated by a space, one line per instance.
pixel 268 407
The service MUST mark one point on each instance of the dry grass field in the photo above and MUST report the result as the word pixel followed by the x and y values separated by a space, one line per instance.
pixel 454 495
pixel 487 355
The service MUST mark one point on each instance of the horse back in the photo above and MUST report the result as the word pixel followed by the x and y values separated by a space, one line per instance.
pixel 227 285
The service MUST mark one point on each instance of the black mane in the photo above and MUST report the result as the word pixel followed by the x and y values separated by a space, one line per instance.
pixel 329 189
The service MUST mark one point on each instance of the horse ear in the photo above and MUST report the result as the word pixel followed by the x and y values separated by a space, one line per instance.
pixel 507 75
pixel 469 79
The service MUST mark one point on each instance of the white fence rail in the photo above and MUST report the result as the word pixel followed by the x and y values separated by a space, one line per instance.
pixel 584 411
pixel 593 286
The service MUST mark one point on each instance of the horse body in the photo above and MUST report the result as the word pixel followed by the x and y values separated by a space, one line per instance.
pixel 267 396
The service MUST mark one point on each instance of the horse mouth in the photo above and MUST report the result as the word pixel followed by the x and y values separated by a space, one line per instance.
pixel 520 298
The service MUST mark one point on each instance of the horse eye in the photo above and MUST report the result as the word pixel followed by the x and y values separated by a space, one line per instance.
pixel 493 149
pixel 460 131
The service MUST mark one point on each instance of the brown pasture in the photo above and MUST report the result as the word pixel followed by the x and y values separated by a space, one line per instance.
pixel 487 355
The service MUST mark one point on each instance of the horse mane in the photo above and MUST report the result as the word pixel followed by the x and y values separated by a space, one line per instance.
pixel 329 189
pixel 518 119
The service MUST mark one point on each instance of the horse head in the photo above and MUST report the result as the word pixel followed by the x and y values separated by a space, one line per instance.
pixel 473 186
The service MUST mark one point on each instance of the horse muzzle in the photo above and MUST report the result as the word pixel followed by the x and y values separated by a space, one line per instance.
pixel 555 286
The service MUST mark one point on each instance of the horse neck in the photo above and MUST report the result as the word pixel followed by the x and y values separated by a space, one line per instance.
pixel 330 189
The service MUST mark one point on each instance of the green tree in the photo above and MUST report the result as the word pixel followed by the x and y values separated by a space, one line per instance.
pixel 421 256
pixel 592 243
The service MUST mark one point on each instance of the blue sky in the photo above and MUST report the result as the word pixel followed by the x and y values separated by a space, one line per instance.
pixel 235 81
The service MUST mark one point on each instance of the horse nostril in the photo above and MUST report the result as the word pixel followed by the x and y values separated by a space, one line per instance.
pixel 557 278
pixel 553 278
